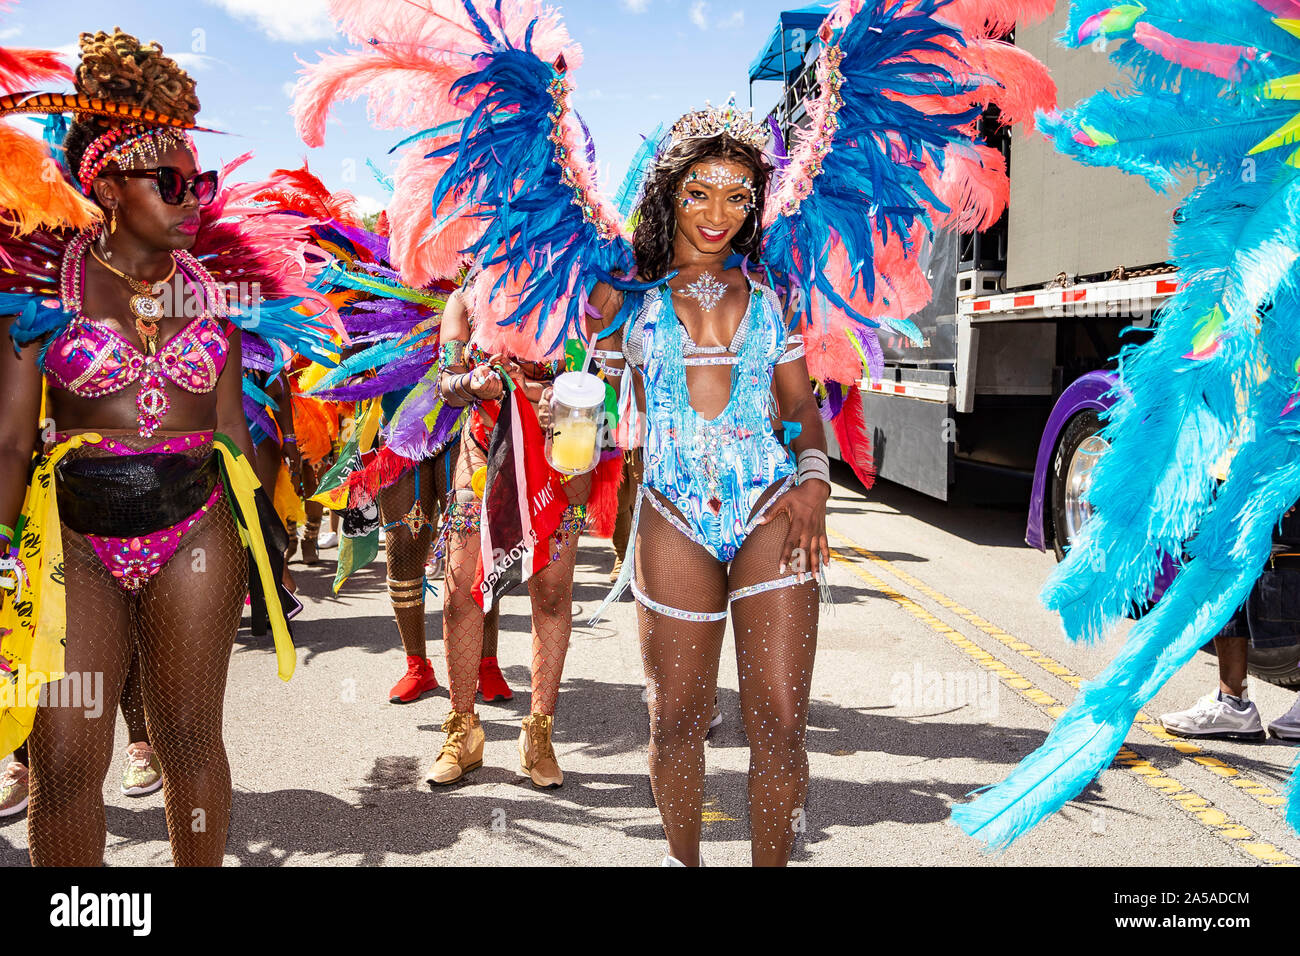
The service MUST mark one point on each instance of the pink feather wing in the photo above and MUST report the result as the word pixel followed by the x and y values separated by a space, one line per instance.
pixel 1226 61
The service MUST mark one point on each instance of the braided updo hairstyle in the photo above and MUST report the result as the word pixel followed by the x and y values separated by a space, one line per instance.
pixel 118 67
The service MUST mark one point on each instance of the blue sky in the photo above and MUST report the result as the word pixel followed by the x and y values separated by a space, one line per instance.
pixel 647 61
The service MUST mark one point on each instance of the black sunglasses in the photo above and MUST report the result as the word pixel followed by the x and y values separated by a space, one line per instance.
pixel 172 186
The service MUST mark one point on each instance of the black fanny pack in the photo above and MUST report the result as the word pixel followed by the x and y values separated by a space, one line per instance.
pixel 123 496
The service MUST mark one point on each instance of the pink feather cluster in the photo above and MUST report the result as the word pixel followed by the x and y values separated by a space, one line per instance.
pixel 250 246
pixel 410 53
pixel 972 181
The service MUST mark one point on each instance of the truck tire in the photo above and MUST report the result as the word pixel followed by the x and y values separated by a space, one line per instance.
pixel 1077 450
pixel 1277 665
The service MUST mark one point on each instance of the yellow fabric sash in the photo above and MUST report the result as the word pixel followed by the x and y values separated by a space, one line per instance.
pixel 242 483
pixel 33 619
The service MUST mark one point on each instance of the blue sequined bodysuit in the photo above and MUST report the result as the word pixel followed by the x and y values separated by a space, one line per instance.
pixel 713 471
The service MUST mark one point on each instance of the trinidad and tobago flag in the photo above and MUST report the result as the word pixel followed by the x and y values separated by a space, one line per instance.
pixel 523 503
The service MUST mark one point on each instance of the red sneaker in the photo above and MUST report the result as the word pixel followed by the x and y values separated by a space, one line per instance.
pixel 491 684
pixel 419 680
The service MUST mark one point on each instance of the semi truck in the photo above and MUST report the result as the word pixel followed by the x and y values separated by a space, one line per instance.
pixel 1017 364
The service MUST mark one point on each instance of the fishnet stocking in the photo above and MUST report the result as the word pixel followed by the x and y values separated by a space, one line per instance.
pixel 681 666
pixel 132 706
pixel 70 749
pixel 551 593
pixel 406 553
pixel 776 635
pixel 462 618
pixel 186 623
pixel 182 625
pixel 133 703
pixel 776 640
pixel 463 623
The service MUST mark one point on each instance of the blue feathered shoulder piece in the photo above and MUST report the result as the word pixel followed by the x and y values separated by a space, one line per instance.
pixel 891 154
pixel 1204 440
pixel 500 171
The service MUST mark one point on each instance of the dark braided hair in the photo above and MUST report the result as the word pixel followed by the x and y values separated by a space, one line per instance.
pixel 119 68
pixel 652 242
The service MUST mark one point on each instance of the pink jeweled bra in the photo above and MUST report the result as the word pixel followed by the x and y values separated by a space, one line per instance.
pixel 90 359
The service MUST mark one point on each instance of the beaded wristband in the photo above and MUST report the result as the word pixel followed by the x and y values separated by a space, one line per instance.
pixel 6 532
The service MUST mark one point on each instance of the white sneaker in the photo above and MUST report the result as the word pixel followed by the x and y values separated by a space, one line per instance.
pixel 1215 719
pixel 329 539
pixel 1287 727
pixel 13 789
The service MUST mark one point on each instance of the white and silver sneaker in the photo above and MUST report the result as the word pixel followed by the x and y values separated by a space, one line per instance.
pixel 1214 718
pixel 1287 727
pixel 327 540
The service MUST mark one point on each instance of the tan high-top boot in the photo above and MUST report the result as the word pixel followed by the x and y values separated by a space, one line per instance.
pixel 461 752
pixel 536 756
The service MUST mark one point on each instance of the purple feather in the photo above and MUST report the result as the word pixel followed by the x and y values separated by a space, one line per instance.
pixel 835 397
pixel 375 245
pixel 259 419
pixel 780 158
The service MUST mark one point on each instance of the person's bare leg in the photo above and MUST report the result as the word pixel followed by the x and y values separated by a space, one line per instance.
pixel 776 641
pixel 681 665
pixel 1232 652
pixel 132 703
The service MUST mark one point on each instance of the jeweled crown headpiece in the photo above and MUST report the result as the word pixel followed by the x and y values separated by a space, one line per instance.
pixel 730 120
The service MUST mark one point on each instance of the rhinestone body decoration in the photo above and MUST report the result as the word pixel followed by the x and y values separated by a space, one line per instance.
pixel 707 291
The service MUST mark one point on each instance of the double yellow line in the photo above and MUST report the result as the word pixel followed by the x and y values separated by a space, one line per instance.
pixel 1217 821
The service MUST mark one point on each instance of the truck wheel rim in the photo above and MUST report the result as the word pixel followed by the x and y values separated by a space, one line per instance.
pixel 1078 479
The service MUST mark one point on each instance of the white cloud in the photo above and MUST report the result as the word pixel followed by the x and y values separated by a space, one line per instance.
pixel 286 20
pixel 193 62
pixel 287 88
pixel 701 16
pixel 8 33
pixel 635 6
pixel 369 205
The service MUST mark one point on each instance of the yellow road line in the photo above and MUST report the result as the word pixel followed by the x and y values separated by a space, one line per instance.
pixel 1196 806
pixel 1256 789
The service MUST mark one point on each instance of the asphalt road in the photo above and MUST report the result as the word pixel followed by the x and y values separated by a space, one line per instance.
pixel 937 670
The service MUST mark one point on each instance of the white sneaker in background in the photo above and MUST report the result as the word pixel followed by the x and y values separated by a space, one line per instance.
pixel 1214 718
pixel 1287 727
pixel 328 539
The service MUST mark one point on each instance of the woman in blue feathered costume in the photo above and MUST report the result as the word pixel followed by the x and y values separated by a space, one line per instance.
pixel 720 520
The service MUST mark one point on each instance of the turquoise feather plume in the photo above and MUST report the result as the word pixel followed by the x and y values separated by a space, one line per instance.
pixel 1212 89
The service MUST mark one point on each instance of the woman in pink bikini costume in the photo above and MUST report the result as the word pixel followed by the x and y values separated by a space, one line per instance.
pixel 144 436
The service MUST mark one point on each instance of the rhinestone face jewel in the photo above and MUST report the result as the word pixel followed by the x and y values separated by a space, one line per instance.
pixel 706 290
